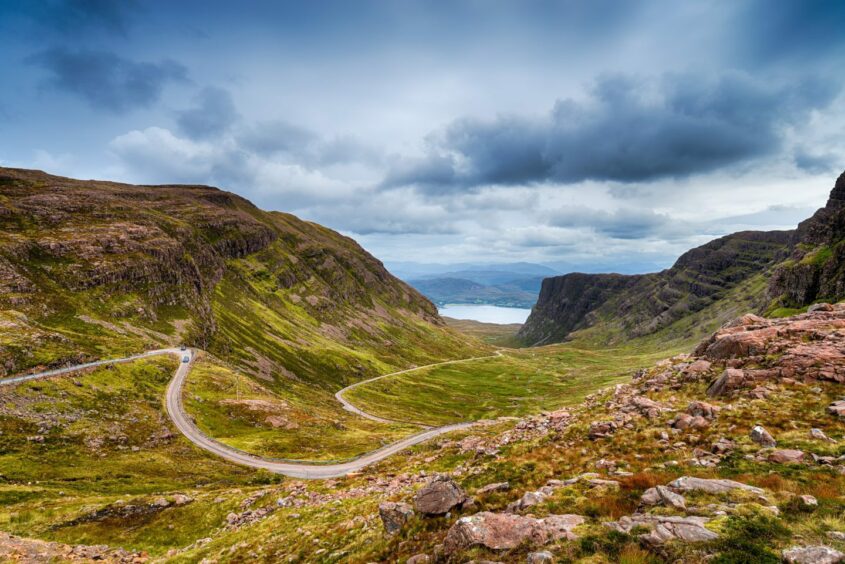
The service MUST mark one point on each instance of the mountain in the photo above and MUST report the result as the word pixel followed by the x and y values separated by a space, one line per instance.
pixel 408 270
pixel 92 268
pixel 776 272
pixel 452 289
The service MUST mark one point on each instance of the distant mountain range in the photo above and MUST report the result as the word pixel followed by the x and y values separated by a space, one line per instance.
pixel 507 285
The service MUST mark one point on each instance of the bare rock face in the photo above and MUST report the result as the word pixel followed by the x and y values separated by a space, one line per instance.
pixel 813 555
pixel 502 531
pixel 762 437
pixel 394 516
pixel 439 496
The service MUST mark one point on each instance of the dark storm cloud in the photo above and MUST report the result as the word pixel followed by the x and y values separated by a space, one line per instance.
pixel 213 114
pixel 105 80
pixel 817 162
pixel 774 32
pixel 628 130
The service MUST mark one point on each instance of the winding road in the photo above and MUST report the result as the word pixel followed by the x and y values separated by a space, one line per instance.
pixel 295 469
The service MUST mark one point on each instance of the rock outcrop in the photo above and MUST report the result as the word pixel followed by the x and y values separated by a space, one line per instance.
pixel 439 496
pixel 500 531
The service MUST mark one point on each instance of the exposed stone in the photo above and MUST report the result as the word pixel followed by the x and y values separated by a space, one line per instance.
pixel 601 429
pixel 813 555
pixel 420 559
pixel 786 456
pixel 541 557
pixel 723 446
pixel 837 408
pixel 820 435
pixel 731 379
pixel 439 496
pixel 808 501
pixel 661 495
pixel 501 531
pixel 495 487
pixel 394 515
pixel 714 486
pixel 703 409
pixel 664 528
pixel 762 437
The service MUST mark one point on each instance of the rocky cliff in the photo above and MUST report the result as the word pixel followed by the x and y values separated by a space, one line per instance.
pixel 815 270
pixel 634 306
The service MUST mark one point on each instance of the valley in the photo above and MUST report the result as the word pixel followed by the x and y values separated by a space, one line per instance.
pixel 323 394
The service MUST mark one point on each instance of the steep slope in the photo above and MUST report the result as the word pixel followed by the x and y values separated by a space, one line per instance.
pixel 637 305
pixel 815 271
pixel 91 268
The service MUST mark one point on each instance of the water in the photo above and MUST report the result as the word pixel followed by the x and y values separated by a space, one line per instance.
pixel 485 313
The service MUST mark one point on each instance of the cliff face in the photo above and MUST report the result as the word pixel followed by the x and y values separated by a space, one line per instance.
pixel 815 270
pixel 92 267
pixel 633 306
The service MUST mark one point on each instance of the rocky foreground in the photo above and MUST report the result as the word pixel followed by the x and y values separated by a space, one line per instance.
pixel 735 381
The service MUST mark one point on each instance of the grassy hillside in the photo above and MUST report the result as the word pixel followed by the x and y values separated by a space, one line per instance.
pixel 90 269
pixel 518 383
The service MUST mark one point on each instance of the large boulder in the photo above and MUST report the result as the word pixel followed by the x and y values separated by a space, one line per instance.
pixel 813 555
pixel 503 531
pixel 394 515
pixel 439 496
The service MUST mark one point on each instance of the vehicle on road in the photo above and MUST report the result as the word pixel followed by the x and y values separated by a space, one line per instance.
pixel 186 358
pixel 183 348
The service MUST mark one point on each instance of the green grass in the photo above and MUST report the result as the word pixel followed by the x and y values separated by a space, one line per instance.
pixel 315 427
pixel 520 382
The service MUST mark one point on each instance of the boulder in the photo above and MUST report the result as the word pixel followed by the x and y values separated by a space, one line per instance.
pixel 496 487
pixel 439 496
pixel 542 557
pixel 394 515
pixel 420 559
pixel 820 435
pixel 503 531
pixel 762 437
pixel 703 409
pixel 723 446
pixel 786 456
pixel 601 429
pixel 664 528
pixel 700 366
pixel 714 486
pixel 661 495
pixel 813 555
pixel 837 408
pixel 731 379
pixel 808 501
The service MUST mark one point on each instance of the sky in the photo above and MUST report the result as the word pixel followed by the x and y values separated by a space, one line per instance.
pixel 618 133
